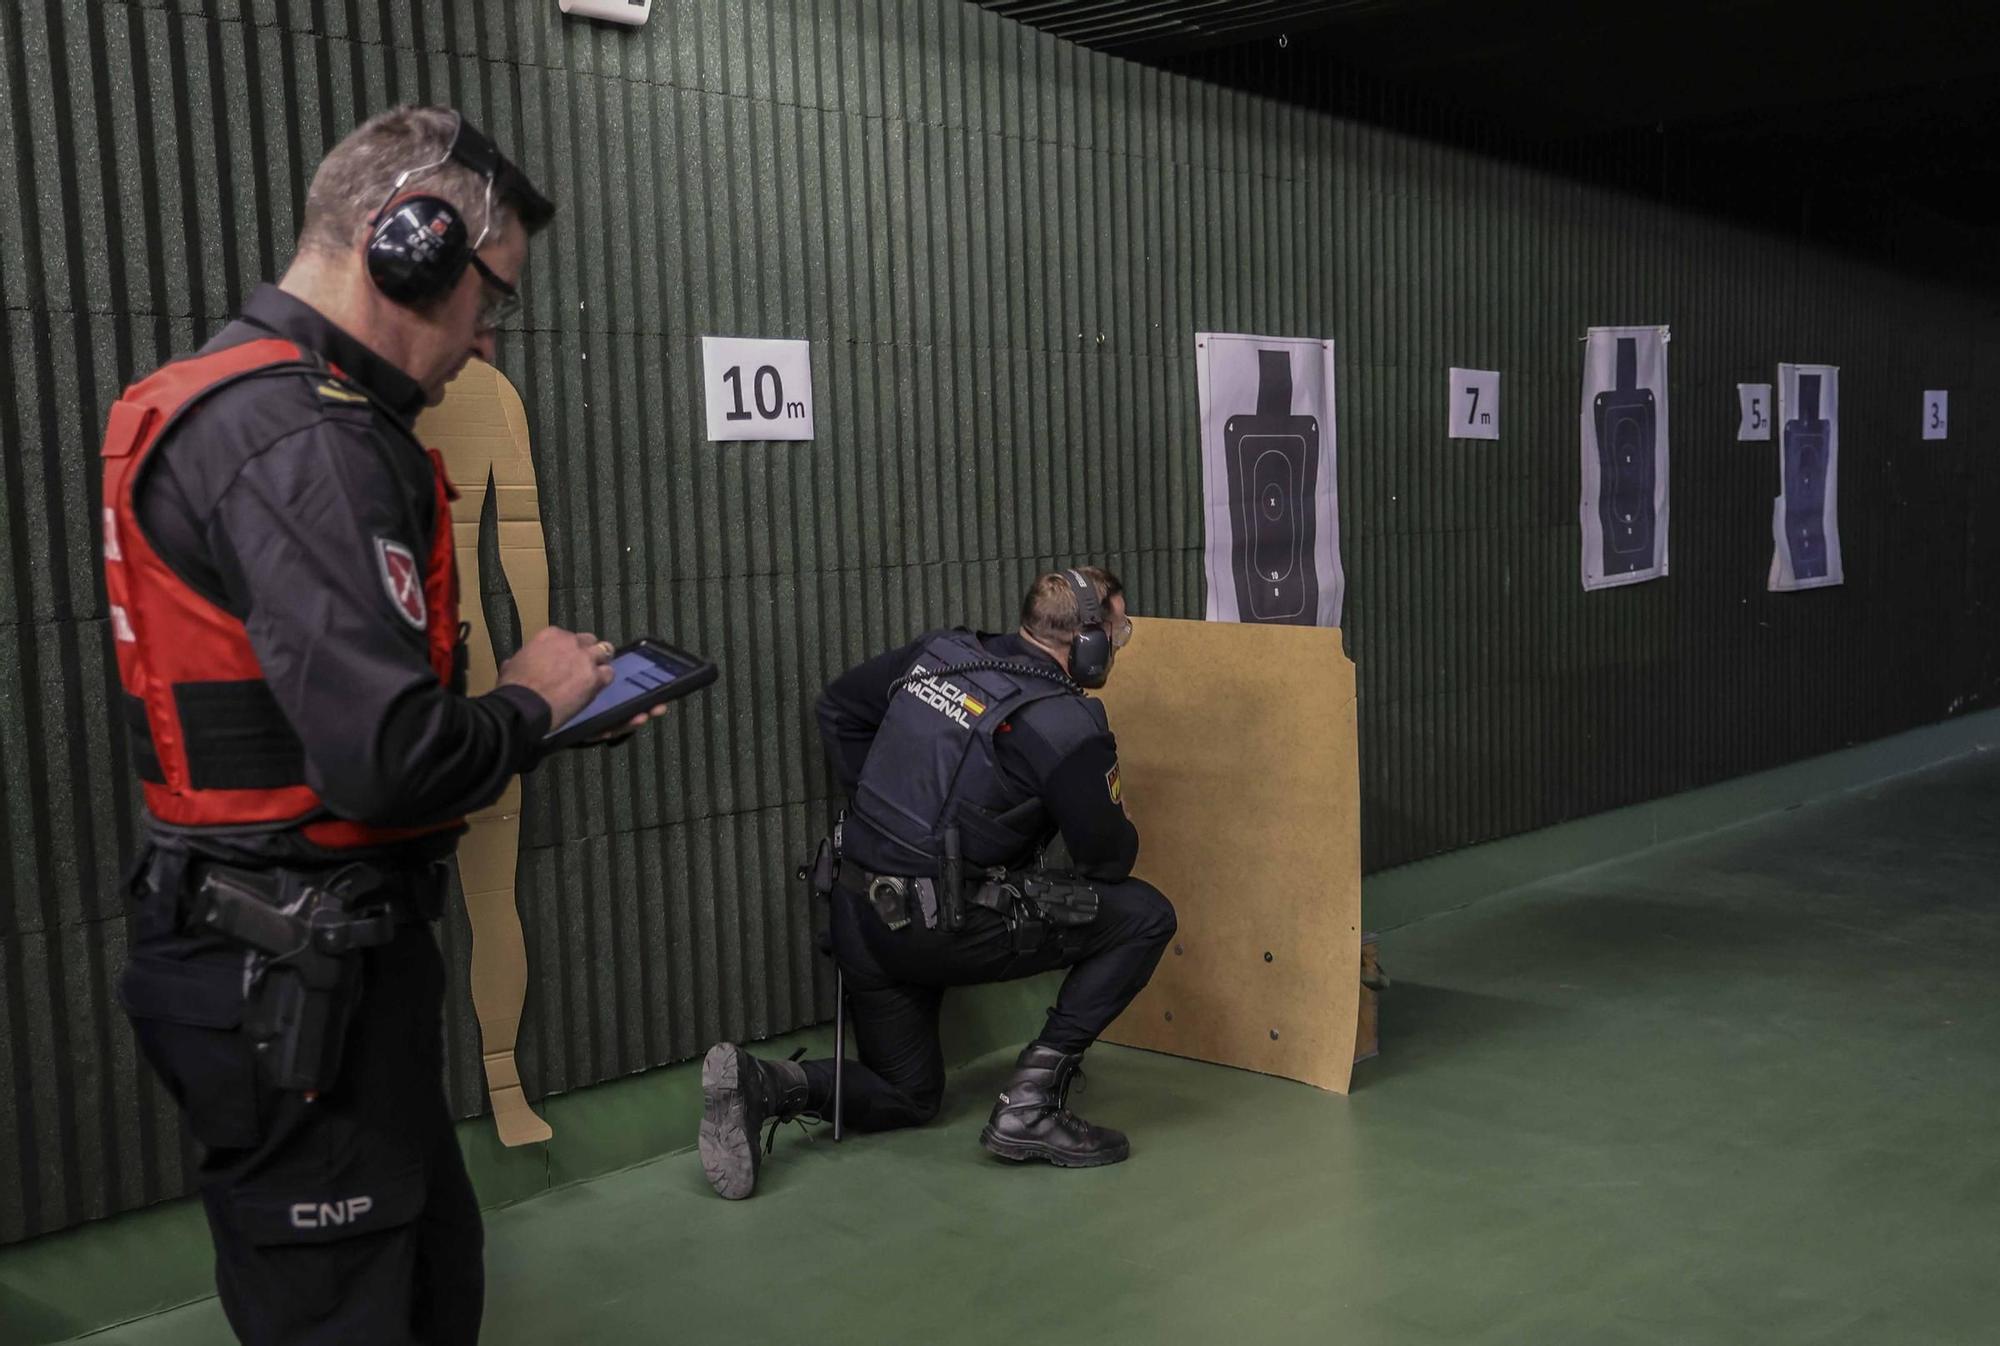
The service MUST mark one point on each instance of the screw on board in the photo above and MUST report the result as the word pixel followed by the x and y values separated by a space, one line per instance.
pixel 1179 950
pixel 1170 1016
pixel 1274 1035
pixel 1267 955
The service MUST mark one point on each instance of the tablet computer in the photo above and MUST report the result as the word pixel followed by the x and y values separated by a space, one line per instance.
pixel 644 674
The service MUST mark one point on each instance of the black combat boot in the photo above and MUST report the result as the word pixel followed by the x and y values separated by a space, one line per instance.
pixel 739 1094
pixel 1032 1120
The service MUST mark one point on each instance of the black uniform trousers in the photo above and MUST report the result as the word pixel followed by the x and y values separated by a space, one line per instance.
pixel 896 980
pixel 345 1218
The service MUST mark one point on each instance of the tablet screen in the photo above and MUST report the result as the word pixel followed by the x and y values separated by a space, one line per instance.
pixel 633 674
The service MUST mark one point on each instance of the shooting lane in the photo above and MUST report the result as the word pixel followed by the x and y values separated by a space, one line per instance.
pixel 1236 748
pixel 1658 855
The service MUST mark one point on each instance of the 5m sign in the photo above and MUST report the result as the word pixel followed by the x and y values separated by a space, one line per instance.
pixel 757 389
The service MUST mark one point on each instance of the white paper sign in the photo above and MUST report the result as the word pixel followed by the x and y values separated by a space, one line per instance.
pixel 757 388
pixel 1937 413
pixel 1756 403
pixel 1475 404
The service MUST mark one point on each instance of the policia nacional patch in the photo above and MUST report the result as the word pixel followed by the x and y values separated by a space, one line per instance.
pixel 1113 786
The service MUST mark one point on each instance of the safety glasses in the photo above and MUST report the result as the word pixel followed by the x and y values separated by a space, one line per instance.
pixel 499 302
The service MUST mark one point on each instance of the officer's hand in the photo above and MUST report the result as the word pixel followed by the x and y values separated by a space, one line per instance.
pixel 564 668
pixel 632 726
pixel 637 721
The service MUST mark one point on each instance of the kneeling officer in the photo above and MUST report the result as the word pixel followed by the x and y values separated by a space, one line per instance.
pixel 964 755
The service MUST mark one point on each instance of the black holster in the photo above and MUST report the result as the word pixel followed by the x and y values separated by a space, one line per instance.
pixel 819 872
pixel 304 983
pixel 1061 899
pixel 1045 902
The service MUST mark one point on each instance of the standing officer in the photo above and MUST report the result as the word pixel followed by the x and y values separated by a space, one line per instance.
pixel 964 755
pixel 278 560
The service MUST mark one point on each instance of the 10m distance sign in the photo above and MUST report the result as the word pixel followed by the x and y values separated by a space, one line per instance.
pixel 756 388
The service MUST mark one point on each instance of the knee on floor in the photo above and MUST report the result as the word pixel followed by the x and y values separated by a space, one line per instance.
pixel 921 1108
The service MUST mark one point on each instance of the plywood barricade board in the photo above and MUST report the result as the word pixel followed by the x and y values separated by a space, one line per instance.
pixel 1236 748
pixel 481 429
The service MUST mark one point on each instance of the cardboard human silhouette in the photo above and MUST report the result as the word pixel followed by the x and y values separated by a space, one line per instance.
pixel 481 429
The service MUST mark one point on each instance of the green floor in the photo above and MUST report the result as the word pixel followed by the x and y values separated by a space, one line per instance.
pixel 1740 1090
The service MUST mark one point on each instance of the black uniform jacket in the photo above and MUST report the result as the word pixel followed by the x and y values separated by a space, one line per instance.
pixel 269 499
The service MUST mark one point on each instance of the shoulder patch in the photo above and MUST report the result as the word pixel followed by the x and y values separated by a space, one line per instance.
pixel 1113 786
pixel 329 391
pixel 402 579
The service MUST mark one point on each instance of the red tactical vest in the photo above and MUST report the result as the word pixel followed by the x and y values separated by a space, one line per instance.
pixel 212 748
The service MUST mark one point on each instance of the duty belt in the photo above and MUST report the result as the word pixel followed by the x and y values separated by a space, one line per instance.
pixel 892 896
pixel 1028 900
pixel 411 895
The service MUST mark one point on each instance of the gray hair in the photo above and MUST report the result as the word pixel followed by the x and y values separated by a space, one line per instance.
pixel 354 179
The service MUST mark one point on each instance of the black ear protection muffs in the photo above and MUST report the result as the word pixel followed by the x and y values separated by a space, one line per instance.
pixel 1090 650
pixel 419 245
pixel 418 249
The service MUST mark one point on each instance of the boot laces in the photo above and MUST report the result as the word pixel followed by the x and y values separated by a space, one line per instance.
pixel 1060 1108
pixel 805 1121
pixel 802 1118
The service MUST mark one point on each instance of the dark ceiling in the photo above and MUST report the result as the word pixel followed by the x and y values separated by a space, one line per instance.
pixel 1569 62
pixel 1899 102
